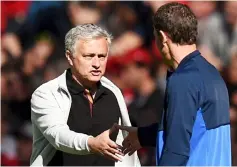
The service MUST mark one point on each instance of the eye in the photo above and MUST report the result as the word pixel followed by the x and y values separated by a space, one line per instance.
pixel 102 56
pixel 88 56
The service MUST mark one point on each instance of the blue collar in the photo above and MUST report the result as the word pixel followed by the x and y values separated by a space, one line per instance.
pixel 187 58
pixel 183 62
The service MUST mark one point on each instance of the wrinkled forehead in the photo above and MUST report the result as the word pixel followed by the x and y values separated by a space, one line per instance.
pixel 97 45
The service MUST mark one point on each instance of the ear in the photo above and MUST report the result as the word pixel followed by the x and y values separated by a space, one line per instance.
pixel 69 57
pixel 164 37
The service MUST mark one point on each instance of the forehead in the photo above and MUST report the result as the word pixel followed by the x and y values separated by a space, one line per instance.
pixel 93 45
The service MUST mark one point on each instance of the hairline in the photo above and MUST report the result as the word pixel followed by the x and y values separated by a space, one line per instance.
pixel 87 39
pixel 80 33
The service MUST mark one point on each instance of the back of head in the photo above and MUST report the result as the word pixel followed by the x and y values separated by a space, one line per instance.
pixel 178 21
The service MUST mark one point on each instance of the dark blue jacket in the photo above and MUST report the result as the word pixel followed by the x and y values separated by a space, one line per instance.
pixel 195 129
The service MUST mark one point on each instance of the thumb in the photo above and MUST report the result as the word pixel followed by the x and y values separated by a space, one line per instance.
pixel 113 129
pixel 126 128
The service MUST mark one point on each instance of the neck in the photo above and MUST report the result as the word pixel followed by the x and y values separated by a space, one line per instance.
pixel 147 87
pixel 87 85
pixel 179 52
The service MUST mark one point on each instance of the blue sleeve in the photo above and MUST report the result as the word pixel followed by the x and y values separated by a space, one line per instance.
pixel 179 120
pixel 147 135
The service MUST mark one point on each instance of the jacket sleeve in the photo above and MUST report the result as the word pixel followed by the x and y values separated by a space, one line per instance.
pixel 50 120
pixel 179 120
pixel 147 135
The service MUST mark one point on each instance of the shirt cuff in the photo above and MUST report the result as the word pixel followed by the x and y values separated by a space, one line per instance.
pixel 87 147
pixel 147 135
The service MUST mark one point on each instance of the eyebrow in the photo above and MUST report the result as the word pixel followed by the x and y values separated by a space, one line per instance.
pixel 89 54
pixel 93 54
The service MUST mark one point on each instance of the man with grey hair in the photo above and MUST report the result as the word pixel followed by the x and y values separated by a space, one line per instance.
pixel 73 115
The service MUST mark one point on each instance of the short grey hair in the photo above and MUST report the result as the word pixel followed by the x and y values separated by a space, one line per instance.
pixel 85 32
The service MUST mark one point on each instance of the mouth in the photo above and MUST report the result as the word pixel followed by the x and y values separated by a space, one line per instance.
pixel 95 72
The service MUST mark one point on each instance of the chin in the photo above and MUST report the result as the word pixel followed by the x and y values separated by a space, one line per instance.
pixel 95 78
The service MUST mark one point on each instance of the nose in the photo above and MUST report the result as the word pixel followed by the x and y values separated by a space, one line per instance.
pixel 96 62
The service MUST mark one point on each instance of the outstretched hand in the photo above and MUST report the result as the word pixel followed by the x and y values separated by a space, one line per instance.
pixel 131 142
pixel 104 146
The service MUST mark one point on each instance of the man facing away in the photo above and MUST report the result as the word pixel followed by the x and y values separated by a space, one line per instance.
pixel 195 129
pixel 72 114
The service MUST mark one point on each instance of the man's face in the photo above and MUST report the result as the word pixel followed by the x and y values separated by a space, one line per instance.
pixel 90 59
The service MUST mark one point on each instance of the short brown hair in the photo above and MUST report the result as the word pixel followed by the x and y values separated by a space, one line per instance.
pixel 178 21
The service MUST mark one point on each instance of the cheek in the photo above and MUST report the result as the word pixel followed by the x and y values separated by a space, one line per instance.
pixel 103 65
pixel 165 51
pixel 159 44
pixel 82 66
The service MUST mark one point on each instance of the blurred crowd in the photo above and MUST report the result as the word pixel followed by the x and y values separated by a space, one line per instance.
pixel 32 52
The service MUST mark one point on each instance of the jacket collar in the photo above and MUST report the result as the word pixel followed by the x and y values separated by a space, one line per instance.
pixel 187 58
pixel 72 84
pixel 182 63
pixel 62 82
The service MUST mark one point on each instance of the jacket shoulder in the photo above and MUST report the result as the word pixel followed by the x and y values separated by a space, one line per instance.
pixel 186 80
pixel 47 86
pixel 109 84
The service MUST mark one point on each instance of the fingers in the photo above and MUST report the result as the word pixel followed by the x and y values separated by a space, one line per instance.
pixel 129 147
pixel 112 156
pixel 126 144
pixel 115 148
pixel 127 150
pixel 130 150
pixel 115 151
pixel 114 145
